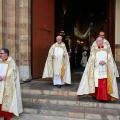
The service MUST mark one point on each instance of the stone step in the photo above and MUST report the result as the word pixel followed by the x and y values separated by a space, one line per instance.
pixel 72 112
pixel 43 87
pixel 24 116
pixel 48 92
pixel 78 101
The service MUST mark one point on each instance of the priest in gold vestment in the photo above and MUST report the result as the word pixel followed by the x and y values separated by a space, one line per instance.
pixel 57 65
pixel 10 94
pixel 99 77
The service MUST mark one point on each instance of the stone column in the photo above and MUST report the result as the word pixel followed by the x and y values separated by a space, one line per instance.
pixel 15 32
pixel 0 23
pixel 8 33
pixel 23 45
pixel 117 34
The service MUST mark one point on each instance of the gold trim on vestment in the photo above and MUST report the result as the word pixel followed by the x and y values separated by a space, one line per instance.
pixel 62 71
pixel 9 87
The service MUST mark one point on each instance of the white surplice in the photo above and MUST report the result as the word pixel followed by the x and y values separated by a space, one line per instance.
pixel 58 65
pixel 100 71
pixel 3 72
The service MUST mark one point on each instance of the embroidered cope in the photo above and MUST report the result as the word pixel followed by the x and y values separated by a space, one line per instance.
pixel 59 67
pixel 94 71
pixel 11 95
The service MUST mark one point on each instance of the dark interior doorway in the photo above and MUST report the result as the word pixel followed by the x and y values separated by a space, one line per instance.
pixel 83 14
pixel 70 13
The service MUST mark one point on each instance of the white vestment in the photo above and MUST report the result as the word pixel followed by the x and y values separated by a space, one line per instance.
pixel 59 67
pixel 10 91
pixel 88 83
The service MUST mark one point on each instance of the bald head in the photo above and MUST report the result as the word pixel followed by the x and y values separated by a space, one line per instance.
pixel 59 39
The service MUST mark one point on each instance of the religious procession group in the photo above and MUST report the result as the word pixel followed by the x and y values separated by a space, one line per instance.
pixel 99 77
pixel 98 80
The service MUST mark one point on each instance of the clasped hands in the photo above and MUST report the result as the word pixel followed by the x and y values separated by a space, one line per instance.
pixel 2 78
pixel 102 62
pixel 53 56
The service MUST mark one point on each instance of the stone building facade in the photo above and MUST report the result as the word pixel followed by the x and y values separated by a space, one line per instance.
pixel 15 33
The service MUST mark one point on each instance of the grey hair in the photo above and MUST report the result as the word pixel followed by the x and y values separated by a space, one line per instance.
pixel 58 37
pixel 5 50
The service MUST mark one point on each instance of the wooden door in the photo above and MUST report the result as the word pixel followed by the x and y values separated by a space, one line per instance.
pixel 111 24
pixel 42 34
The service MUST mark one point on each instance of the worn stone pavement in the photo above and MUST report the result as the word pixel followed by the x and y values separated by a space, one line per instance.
pixel 40 117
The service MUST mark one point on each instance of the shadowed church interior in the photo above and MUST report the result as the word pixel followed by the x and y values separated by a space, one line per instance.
pixel 79 22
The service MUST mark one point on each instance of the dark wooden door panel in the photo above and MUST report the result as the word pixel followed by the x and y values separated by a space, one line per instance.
pixel 42 34
pixel 111 24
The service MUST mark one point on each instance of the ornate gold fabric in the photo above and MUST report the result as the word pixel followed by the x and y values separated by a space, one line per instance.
pixel 12 95
pixel 109 84
pixel 78 34
pixel 62 71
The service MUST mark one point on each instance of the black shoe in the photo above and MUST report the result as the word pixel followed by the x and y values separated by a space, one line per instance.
pixel 59 86
pixel 103 101
pixel 94 98
pixel 5 118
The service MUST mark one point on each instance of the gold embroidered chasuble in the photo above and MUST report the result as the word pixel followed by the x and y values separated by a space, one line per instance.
pixel 87 83
pixel 58 66
pixel 11 101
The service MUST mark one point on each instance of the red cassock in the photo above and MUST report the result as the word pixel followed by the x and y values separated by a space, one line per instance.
pixel 101 90
pixel 6 115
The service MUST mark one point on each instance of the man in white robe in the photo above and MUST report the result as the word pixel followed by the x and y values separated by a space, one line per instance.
pixel 57 65
pixel 90 77
pixel 10 93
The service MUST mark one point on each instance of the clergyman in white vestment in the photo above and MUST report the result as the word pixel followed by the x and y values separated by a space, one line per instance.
pixel 99 77
pixel 57 65
pixel 10 93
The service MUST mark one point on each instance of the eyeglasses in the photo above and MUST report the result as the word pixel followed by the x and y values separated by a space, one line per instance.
pixel 2 53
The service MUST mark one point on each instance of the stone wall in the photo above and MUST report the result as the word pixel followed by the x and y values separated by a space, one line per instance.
pixel 0 23
pixel 15 28
pixel 117 34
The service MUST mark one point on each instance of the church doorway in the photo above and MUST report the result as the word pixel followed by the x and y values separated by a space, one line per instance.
pixel 53 17
pixel 79 22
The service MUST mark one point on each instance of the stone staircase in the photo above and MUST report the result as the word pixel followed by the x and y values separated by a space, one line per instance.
pixel 42 98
